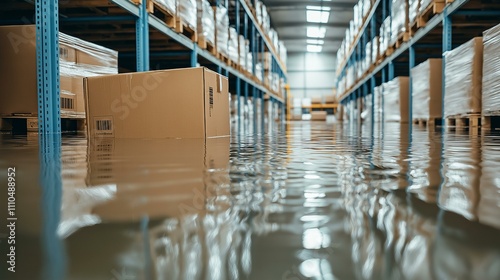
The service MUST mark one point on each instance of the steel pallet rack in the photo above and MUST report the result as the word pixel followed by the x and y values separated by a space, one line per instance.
pixel 430 41
pixel 147 39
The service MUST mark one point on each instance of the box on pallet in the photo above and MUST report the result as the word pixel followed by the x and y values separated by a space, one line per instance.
pixel 265 58
pixel 413 6
pixel 169 5
pixel 206 24
pixel 232 45
pixel 491 72
pixel 180 103
pixel 221 30
pixel 77 59
pixel 399 15
pixel 318 115
pixel 426 89
pixel 463 77
pixel 395 99
pixel 187 12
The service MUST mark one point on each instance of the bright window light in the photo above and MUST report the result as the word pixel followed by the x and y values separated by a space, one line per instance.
pixel 315 42
pixel 317 14
pixel 316 32
pixel 314 48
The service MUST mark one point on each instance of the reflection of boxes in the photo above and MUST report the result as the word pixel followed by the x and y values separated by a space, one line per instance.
pixel 158 177
pixel 180 103
pixel 318 116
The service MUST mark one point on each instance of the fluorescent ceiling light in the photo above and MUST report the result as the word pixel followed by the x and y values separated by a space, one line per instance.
pixel 314 48
pixel 315 42
pixel 316 32
pixel 317 14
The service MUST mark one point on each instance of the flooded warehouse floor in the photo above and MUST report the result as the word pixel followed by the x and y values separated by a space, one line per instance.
pixel 312 200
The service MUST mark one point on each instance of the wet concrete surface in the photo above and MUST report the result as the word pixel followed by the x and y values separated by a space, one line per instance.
pixel 313 201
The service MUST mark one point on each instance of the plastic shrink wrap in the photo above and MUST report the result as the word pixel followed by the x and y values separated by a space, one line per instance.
pixel 249 64
pixel 259 71
pixel 206 24
pixel 232 46
pixel 77 59
pixel 375 49
pixel 385 32
pixel 463 75
pixel 366 113
pixel 169 5
pixel 426 89
pixel 413 6
pixel 399 14
pixel 258 11
pixel 491 71
pixel 368 56
pixel 187 11
pixel 242 50
pixel 222 30
pixel 283 52
pixel 367 5
pixel 356 20
pixel 395 100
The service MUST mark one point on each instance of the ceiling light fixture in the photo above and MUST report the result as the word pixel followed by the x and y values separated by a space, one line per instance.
pixel 314 48
pixel 315 42
pixel 317 14
pixel 316 32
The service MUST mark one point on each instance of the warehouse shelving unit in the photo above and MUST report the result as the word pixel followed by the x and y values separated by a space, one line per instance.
pixel 430 41
pixel 144 43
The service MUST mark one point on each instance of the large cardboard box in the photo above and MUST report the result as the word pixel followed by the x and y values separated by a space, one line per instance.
pixel 426 89
pixel 18 68
pixel 180 103
pixel 395 100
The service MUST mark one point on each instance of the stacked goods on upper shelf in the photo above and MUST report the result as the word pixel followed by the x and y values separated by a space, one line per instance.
pixel 259 71
pixel 399 15
pixel 385 34
pixel 377 112
pixel 491 72
pixel 266 59
pixel 282 52
pixel 463 75
pixel 413 6
pixel 77 59
pixel 367 61
pixel 222 30
pixel 206 24
pixel 249 62
pixel 273 35
pixel 243 49
pixel 375 49
pixel 426 89
pixel 187 12
pixel 169 5
pixel 395 100
pixel 232 46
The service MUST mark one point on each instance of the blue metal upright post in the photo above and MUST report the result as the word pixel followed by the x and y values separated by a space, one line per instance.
pixel 237 3
pixel 391 71
pixel 447 44
pixel 142 38
pixel 47 50
pixel 194 56
pixel 410 97
pixel 238 94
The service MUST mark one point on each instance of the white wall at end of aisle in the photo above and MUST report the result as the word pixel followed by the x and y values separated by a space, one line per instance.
pixel 311 74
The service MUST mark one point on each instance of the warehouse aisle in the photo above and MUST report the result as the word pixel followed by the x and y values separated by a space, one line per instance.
pixel 315 201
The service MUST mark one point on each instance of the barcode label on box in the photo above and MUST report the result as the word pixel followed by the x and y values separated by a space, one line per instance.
pixel 63 52
pixel 211 94
pixel 103 126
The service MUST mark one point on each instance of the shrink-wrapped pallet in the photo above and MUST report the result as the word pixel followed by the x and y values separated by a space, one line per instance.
pixel 258 11
pixel 259 71
pixel 399 15
pixel 424 4
pixel 377 105
pixel 375 49
pixel 426 87
pixel 366 7
pixel 413 6
pixel 463 78
pixel 385 33
pixel 221 30
pixel 242 51
pixel 491 71
pixel 206 24
pixel 249 64
pixel 232 46
pixel 169 5
pixel 395 100
pixel 368 56
pixel 187 12
pixel 282 52
pixel 356 19
pixel 266 59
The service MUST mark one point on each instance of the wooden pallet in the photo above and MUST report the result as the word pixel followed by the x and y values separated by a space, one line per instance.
pixel 429 123
pixel 403 37
pixel 206 45
pixel 162 13
pixel 389 51
pixel 464 121
pixel 435 7
pixel 29 123
pixel 182 27
pixel 412 28
pixel 224 58
pixel 490 121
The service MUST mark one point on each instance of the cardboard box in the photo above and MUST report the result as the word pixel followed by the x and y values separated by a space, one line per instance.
pixel 427 88
pixel 181 186
pixel 316 100
pixel 395 100
pixel 318 116
pixel 180 103
pixel 329 99
pixel 18 82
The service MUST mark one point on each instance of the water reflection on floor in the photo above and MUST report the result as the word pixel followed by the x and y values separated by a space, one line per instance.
pixel 315 201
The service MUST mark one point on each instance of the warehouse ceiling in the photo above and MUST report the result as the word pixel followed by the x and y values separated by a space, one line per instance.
pixel 289 18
